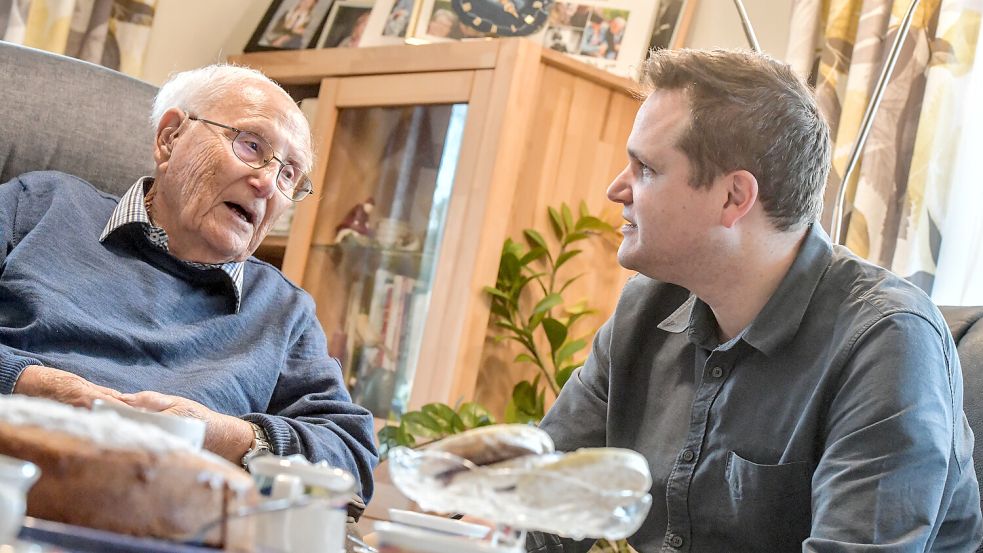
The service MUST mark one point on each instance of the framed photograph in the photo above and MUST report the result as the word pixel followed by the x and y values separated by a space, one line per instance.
pixel 438 22
pixel 346 24
pixel 672 19
pixel 391 22
pixel 610 34
pixel 289 25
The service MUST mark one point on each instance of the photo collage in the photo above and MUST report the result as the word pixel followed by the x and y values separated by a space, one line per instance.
pixel 585 30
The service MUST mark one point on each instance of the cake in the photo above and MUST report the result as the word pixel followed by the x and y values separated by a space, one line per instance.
pixel 101 471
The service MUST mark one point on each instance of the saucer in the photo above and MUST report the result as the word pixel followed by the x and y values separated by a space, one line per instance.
pixel 440 524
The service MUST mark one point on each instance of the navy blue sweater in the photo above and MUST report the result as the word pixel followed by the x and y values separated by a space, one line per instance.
pixel 126 315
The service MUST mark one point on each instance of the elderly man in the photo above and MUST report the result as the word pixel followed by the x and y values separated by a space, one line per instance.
pixel 787 395
pixel 153 300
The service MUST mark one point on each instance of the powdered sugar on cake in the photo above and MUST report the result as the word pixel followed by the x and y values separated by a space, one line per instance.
pixel 104 429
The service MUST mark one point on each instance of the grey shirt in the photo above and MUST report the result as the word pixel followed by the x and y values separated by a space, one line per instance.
pixel 832 422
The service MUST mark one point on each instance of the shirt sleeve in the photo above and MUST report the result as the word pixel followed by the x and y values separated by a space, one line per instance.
pixel 12 363
pixel 312 414
pixel 897 446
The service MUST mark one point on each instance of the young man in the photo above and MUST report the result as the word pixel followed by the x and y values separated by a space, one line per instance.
pixel 788 395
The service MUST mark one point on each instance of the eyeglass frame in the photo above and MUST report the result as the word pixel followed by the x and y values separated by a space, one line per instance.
pixel 310 187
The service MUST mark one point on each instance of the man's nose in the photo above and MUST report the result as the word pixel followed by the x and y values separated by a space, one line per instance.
pixel 263 180
pixel 618 190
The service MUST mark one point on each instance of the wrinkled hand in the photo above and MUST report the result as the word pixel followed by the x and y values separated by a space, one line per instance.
pixel 65 387
pixel 227 436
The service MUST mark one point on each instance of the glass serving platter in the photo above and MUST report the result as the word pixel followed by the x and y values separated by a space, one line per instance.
pixel 570 495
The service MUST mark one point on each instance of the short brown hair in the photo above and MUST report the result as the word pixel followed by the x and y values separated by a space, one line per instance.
pixel 749 111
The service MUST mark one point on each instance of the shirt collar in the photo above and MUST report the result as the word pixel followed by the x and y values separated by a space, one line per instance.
pixel 781 316
pixel 132 211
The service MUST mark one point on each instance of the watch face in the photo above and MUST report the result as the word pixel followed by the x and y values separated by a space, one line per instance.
pixel 503 17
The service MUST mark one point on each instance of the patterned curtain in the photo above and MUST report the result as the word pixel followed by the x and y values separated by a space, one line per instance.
pixel 901 191
pixel 113 33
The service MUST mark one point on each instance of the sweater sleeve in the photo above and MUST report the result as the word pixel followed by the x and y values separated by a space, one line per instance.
pixel 12 363
pixel 311 412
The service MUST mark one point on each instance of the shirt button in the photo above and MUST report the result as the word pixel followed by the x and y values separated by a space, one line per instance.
pixel 688 456
pixel 716 372
pixel 675 541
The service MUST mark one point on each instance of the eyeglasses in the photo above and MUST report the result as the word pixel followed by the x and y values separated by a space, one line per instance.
pixel 256 152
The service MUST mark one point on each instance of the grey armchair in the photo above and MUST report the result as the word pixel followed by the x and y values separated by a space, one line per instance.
pixel 72 116
pixel 966 325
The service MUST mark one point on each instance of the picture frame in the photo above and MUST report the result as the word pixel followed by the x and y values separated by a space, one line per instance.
pixel 346 24
pixel 438 22
pixel 289 25
pixel 672 22
pixel 610 34
pixel 391 22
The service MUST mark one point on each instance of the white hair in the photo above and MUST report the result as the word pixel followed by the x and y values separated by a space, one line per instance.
pixel 196 90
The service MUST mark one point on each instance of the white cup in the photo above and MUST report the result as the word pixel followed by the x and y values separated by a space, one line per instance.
pixel 188 429
pixel 316 527
pixel 16 478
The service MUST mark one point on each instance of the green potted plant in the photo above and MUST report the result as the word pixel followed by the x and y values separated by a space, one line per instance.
pixel 528 307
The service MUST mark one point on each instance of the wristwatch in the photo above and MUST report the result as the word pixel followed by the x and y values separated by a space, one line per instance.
pixel 261 446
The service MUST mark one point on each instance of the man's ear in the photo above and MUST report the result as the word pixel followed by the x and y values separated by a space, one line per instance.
pixel 166 134
pixel 741 188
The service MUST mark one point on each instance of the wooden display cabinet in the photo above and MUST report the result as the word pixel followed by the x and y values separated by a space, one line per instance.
pixel 458 145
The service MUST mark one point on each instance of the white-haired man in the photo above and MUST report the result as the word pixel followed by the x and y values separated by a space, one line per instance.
pixel 153 299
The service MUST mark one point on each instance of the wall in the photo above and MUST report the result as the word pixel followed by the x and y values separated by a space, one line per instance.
pixel 190 33
pixel 716 24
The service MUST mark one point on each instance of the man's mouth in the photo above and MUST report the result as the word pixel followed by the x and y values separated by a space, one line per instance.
pixel 242 212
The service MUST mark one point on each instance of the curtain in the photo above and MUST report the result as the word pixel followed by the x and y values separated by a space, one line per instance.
pixel 902 190
pixel 113 33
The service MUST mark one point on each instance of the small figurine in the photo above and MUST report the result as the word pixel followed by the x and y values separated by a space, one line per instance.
pixel 356 222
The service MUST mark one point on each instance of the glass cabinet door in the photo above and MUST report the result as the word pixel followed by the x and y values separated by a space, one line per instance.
pixel 371 265
pixel 400 193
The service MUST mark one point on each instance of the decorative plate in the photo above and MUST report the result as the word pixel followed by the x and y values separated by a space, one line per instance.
pixel 503 17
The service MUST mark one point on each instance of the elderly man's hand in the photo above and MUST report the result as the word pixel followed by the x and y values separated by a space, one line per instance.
pixel 65 387
pixel 227 436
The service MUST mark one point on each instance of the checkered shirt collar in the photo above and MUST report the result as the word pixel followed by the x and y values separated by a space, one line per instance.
pixel 131 210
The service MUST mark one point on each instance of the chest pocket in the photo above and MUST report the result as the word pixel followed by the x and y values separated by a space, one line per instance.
pixel 771 503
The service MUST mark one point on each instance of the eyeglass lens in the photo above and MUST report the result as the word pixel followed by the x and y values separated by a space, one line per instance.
pixel 256 152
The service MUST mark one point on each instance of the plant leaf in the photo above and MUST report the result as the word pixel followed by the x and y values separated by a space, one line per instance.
pixel 556 223
pixel 533 255
pixel 577 308
pixel 524 358
pixel 575 237
pixel 474 415
pixel 569 349
pixel 445 417
pixel 567 216
pixel 569 282
pixel 525 405
pixel 535 239
pixel 564 258
pixel 499 310
pixel 556 332
pixel 547 303
pixel 563 374
pixel 496 292
pixel 590 222
pixel 420 424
